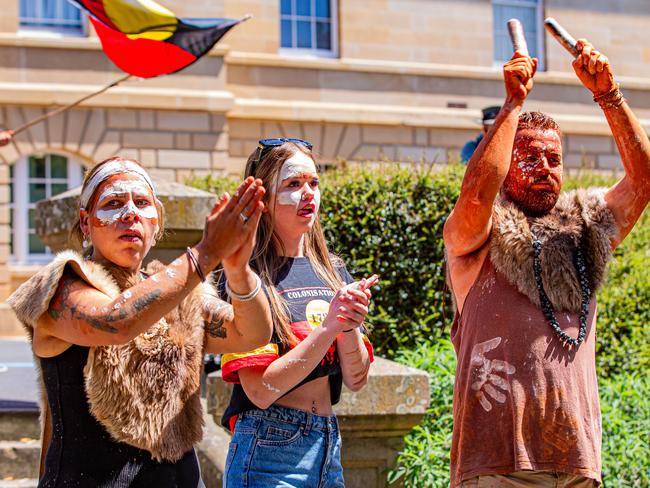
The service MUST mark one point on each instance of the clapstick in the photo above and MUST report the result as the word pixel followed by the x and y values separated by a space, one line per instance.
pixel 561 35
pixel 517 37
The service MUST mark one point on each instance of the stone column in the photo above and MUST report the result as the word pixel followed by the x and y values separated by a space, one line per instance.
pixel 373 421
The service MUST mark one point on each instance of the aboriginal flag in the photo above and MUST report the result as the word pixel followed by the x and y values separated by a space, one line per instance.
pixel 145 39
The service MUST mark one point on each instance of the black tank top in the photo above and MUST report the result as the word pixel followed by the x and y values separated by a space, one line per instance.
pixel 82 453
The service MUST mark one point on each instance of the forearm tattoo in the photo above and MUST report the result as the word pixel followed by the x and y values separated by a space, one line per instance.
pixel 218 313
pixel 61 304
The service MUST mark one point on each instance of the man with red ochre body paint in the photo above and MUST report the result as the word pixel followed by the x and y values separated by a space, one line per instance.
pixel 525 262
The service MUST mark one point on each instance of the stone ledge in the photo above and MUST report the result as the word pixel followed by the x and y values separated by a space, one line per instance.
pixel 90 43
pixel 127 96
pixel 410 68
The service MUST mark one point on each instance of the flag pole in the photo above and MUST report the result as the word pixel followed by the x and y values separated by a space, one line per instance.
pixel 69 106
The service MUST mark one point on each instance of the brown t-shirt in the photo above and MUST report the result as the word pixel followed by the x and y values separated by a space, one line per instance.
pixel 521 399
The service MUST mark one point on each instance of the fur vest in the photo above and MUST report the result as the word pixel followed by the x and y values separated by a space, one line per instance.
pixel 579 218
pixel 146 392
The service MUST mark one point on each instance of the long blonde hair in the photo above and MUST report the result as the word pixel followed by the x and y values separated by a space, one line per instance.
pixel 77 236
pixel 268 255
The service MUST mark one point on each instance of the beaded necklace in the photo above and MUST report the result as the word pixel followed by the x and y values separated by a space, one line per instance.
pixel 547 307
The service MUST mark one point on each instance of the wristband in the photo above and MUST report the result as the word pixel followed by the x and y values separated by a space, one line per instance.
pixel 195 262
pixel 611 99
pixel 248 296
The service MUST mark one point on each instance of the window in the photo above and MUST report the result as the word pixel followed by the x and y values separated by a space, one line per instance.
pixel 51 17
pixel 530 13
pixel 308 27
pixel 32 179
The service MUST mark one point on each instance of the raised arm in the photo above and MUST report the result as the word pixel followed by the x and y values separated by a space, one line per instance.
pixel 629 197
pixel 468 226
pixel 246 324
pixel 83 315
pixel 265 386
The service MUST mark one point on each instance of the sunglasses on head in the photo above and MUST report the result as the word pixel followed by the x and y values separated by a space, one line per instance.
pixel 266 144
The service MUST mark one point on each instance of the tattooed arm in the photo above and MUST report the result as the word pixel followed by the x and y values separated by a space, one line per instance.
pixel 241 326
pixel 81 314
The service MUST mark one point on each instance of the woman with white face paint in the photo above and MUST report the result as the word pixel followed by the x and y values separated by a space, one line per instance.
pixel 120 347
pixel 280 412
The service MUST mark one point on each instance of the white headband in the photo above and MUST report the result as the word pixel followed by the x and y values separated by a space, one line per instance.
pixel 109 169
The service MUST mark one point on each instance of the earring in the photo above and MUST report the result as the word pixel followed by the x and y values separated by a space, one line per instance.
pixel 86 243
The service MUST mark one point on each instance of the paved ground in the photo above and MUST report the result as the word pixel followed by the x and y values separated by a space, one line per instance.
pixel 18 386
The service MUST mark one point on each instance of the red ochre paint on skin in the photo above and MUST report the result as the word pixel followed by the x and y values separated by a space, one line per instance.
pixel 534 179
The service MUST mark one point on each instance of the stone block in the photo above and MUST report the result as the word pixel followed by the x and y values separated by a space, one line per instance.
pixel 610 162
pixel 129 153
pixel 148 139
pixel 9 153
pixel 330 140
pixel 421 136
pixel 75 125
pixel 219 159
pixel 146 119
pixel 368 152
pixel 218 122
pixel 92 134
pixel 158 174
pixel 37 133
pixel 183 159
pixel 579 160
pixel 109 146
pixel 55 131
pixel 204 142
pixel 387 135
pixel 589 144
pixel 182 140
pixel 148 158
pixel 422 154
pixel 122 118
pixel 349 143
pixel 188 121
pixel 450 137
pixel 244 129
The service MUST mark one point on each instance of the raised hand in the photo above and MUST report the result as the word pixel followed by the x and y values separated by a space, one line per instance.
pixel 5 137
pixel 231 223
pixel 593 69
pixel 349 307
pixel 518 76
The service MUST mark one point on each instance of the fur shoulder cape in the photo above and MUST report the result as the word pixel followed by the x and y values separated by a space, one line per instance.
pixel 580 217
pixel 146 392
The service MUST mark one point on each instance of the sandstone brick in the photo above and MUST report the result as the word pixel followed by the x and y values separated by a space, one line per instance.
pixel 146 119
pixel 75 124
pixel 243 129
pixel 218 122
pixel 422 154
pixel 158 174
pixel 314 134
pixel 610 162
pixel 183 159
pixel 122 118
pixel 9 154
pixel 387 135
pixel 331 136
pixel 218 159
pixel 148 139
pixel 194 121
pixel 591 144
pixel 421 136
pixel 37 133
pixel 129 153
pixel 108 146
pixel 55 131
pixel 148 158
pixel 450 137
pixel 204 142
pixel 92 134
pixel 4 175
pixel 579 160
pixel 182 140
pixel 182 175
pixel 349 142
pixel 368 152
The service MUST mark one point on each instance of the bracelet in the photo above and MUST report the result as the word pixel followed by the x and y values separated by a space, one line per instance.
pixel 195 262
pixel 248 296
pixel 611 99
pixel 349 330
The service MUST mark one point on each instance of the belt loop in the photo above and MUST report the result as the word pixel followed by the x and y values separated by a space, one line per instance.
pixel 308 423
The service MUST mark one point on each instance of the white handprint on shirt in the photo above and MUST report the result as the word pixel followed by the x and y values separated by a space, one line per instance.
pixel 489 384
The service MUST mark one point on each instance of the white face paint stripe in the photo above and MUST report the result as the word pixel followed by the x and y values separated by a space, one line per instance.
pixel 124 187
pixel 109 169
pixel 110 216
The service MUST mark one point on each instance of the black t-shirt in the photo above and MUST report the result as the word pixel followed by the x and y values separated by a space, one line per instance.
pixel 308 298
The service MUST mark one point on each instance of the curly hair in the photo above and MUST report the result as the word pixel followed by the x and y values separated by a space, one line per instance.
pixel 538 120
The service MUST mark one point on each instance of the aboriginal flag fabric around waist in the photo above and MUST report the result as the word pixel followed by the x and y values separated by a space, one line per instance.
pixel 145 39
pixel 308 299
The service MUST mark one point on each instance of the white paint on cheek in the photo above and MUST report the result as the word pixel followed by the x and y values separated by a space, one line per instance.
pixel 176 262
pixel 170 272
pixel 288 197
pixel 155 279
pixel 127 294
pixel 124 187
pixel 316 200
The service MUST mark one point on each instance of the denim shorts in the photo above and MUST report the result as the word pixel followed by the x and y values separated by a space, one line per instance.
pixel 284 447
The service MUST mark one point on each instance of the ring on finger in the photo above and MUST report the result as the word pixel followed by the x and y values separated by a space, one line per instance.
pixel 243 217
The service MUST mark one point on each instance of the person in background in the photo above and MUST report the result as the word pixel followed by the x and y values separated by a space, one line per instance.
pixel 489 114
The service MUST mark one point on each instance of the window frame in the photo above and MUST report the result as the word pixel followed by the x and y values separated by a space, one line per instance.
pixel 20 205
pixel 313 52
pixel 30 26
pixel 539 20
